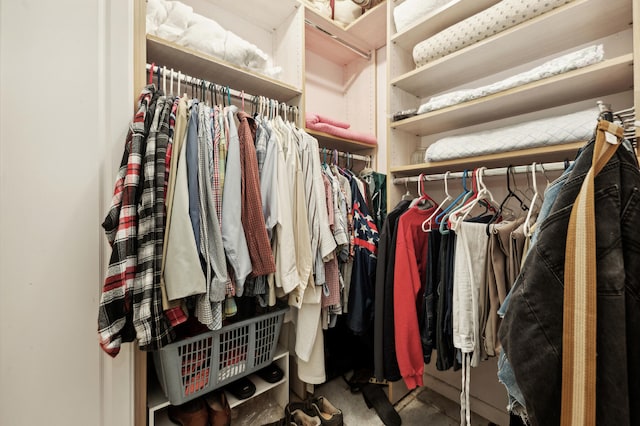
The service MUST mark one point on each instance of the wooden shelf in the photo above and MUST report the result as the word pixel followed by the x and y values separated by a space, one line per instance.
pixel 439 19
pixel 557 30
pixel 367 33
pixel 521 157
pixel 605 78
pixel 341 144
pixel 371 27
pixel 200 65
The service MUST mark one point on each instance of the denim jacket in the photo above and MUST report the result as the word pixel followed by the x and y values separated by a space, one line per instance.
pixel 531 332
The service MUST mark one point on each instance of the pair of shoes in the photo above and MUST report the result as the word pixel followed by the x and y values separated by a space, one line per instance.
pixel 242 388
pixel 320 408
pixel 295 418
pixel 211 410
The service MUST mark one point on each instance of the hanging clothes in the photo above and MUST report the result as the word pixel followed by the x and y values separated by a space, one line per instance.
pixel 385 360
pixel 534 316
pixel 233 236
pixel 262 262
pixel 361 292
pixel 120 225
pixel 409 282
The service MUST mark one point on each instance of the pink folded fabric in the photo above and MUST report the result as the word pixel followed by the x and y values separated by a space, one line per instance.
pixel 343 133
pixel 317 118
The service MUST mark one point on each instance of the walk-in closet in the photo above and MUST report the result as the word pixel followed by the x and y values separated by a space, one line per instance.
pixel 319 212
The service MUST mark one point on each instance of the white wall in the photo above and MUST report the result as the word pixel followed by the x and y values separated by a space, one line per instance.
pixel 65 101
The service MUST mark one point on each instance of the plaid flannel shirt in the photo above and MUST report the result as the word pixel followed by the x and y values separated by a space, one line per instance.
pixel 120 225
pixel 152 327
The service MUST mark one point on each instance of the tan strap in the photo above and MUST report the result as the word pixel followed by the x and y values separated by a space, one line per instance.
pixel 580 293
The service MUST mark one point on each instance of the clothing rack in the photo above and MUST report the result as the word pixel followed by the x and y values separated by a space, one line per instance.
pixel 328 153
pixel 360 52
pixel 502 171
pixel 196 83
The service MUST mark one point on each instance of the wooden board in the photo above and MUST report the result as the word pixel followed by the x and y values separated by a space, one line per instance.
pixel 571 25
pixel 200 65
pixel 605 78
pixel 521 157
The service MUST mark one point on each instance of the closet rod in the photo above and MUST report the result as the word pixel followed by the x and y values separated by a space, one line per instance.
pixel 331 152
pixel 366 55
pixel 502 171
pixel 187 79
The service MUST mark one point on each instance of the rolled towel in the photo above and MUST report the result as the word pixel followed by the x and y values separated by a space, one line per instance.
pixel 317 118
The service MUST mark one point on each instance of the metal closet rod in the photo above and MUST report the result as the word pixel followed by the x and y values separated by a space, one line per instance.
pixel 366 55
pixel 331 152
pixel 502 171
pixel 194 81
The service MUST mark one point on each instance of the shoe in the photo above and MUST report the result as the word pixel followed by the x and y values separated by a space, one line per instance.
pixel 271 373
pixel 318 407
pixel 242 388
pixel 375 398
pixel 193 413
pixel 328 414
pixel 302 419
pixel 218 409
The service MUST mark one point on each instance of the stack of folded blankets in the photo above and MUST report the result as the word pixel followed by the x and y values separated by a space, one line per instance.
pixel 337 128
pixel 176 22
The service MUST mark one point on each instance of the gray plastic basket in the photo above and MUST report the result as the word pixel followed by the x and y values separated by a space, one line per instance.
pixel 197 365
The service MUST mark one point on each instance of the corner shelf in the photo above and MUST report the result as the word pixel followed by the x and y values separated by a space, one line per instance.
pixel 549 33
pixel 341 144
pixel 367 33
pixel 543 154
pixel 192 62
pixel 605 78
pixel 437 20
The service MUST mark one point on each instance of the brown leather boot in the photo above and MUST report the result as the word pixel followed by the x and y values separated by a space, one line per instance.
pixel 218 408
pixel 193 413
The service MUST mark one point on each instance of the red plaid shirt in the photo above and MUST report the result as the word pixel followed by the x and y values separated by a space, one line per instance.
pixel 121 297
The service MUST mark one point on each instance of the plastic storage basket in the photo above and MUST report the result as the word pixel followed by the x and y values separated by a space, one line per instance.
pixel 197 365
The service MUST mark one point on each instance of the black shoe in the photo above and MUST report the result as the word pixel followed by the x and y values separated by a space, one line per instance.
pixel 375 398
pixel 242 388
pixel 271 373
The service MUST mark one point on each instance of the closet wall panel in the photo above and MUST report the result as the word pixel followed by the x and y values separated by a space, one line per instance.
pixel 53 193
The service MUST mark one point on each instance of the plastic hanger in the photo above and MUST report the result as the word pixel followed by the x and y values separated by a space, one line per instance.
pixel 180 81
pixel 424 201
pixel 427 224
pixel 441 218
pixel 153 64
pixel 479 197
pixel 171 83
pixel 510 195
pixel 407 195
pixel 164 80
pixel 527 222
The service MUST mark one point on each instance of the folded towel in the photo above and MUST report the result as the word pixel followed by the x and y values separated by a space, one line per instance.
pixel 317 118
pixel 342 132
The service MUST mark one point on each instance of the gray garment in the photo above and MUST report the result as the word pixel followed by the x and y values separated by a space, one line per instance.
pixel 234 240
pixel 183 272
pixel 192 170
pixel 268 174
pixel 304 150
pixel 211 247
